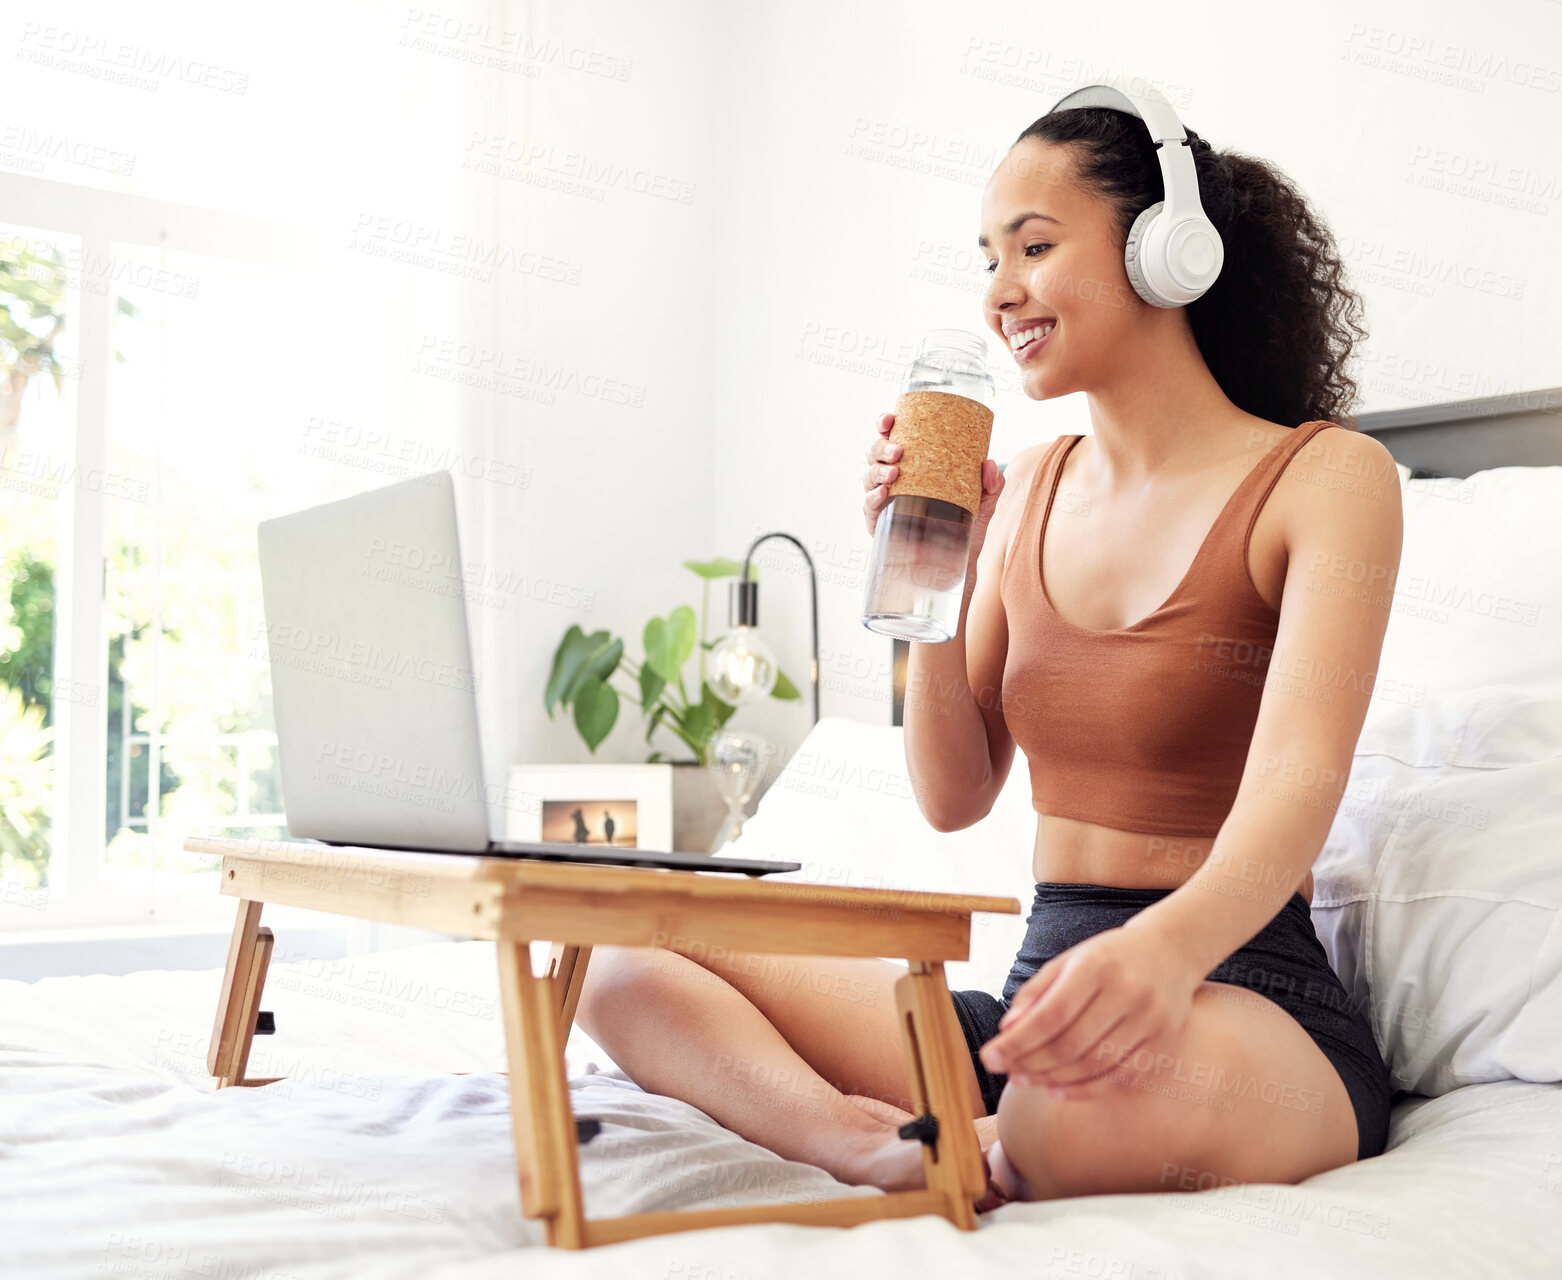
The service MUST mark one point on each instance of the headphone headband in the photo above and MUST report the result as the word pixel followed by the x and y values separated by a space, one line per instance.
pixel 1174 253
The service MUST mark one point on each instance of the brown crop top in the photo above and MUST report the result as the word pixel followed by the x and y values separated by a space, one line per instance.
pixel 1145 727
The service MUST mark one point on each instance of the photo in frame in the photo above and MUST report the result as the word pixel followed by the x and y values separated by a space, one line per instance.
pixel 627 806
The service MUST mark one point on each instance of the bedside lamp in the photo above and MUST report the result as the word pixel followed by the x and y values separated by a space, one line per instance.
pixel 743 668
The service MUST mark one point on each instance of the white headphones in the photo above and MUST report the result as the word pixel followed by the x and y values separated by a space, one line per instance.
pixel 1173 254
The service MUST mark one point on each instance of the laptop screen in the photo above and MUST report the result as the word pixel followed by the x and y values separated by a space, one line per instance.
pixel 371 670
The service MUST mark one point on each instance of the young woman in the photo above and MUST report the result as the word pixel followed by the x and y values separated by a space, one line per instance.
pixel 1178 617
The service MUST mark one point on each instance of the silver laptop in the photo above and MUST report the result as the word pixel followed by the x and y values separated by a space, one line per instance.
pixel 373 686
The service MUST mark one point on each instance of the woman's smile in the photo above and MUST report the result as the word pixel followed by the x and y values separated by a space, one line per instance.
pixel 1037 337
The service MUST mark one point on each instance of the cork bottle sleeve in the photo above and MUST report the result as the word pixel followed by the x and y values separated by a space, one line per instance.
pixel 943 439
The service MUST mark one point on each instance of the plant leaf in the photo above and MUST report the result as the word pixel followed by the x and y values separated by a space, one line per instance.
pixel 568 659
pixel 683 626
pixel 669 641
pixel 785 689
pixel 651 686
pixel 721 567
pixel 604 662
pixel 723 709
pixel 654 638
pixel 699 722
pixel 566 663
pixel 655 719
pixel 596 710
pixel 578 655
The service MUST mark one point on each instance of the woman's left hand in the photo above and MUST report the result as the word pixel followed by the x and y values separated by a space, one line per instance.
pixel 1089 1009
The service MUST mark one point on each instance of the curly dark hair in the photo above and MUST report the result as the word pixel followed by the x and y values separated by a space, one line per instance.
pixel 1278 325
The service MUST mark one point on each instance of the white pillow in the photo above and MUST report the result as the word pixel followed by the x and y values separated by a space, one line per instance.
pixel 1478 599
pixel 1439 890
pixel 844 808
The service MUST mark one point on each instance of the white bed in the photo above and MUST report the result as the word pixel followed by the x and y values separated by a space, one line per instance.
pixel 119 1160
pixel 1439 898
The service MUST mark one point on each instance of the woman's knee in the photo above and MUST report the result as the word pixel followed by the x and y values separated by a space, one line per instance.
pixel 1117 1139
pixel 618 981
pixel 1042 1138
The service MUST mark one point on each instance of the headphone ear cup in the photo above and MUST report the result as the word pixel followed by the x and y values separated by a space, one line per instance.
pixel 1133 255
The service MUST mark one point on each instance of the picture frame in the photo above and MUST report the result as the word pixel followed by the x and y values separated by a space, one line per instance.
pixel 565 802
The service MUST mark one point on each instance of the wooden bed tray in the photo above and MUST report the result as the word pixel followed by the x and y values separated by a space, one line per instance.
pixel 511 902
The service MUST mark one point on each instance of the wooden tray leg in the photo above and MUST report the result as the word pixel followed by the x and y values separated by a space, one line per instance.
pixel 927 1017
pixel 546 1157
pixel 238 1006
pixel 567 967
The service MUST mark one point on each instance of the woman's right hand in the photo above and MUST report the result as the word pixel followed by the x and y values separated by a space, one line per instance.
pixel 882 472
pixel 883 453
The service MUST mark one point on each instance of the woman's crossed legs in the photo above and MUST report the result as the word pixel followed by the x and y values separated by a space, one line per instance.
pixel 804 1056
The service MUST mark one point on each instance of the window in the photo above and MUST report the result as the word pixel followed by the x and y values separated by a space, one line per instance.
pixel 39 370
pixel 214 292
pixel 165 402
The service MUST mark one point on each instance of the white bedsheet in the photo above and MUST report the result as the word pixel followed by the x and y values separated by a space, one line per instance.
pixel 118 1159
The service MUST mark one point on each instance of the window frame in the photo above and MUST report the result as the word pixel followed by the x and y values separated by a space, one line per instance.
pixel 98 220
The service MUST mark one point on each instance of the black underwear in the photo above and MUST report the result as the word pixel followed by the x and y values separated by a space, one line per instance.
pixel 1284 962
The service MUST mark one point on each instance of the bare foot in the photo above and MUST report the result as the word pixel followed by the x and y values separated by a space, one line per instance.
pixel 879 1109
pixel 1004 1182
pixel 885 1160
pixel 896 1165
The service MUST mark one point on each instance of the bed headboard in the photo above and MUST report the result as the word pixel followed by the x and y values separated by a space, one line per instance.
pixel 1523 429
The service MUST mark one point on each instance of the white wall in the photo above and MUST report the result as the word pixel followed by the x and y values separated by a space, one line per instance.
pixel 835 156
pixel 621 460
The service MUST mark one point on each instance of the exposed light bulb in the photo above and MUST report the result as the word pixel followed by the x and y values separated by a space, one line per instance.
pixel 742 668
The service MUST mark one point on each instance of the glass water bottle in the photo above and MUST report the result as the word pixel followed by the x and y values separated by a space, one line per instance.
pixel 943 423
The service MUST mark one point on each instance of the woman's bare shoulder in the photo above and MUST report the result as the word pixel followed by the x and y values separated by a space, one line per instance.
pixel 1019 475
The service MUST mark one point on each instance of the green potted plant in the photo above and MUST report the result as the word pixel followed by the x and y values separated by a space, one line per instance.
pixel 583 665
pixel 580 680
